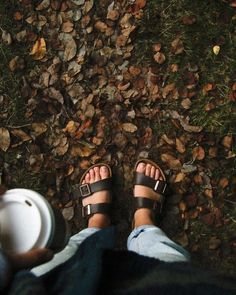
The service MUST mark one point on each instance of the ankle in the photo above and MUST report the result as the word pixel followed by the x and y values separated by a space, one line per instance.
pixel 99 220
pixel 143 216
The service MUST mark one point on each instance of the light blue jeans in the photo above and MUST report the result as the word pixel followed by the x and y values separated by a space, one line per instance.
pixel 147 240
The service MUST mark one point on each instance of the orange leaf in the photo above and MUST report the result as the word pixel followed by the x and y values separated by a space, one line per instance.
pixel 39 49
pixel 198 153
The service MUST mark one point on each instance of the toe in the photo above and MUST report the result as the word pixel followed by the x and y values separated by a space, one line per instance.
pixel 148 170
pixel 87 178
pixel 92 175
pixel 141 167
pixel 97 176
pixel 153 172
pixel 157 174
pixel 104 172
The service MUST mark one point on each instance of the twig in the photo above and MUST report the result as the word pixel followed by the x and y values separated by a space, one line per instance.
pixel 17 127
pixel 230 201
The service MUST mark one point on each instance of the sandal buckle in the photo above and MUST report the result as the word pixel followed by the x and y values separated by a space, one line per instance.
pixel 86 211
pixel 85 190
pixel 157 184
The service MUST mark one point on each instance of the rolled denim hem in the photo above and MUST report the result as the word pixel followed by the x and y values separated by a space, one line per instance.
pixel 151 241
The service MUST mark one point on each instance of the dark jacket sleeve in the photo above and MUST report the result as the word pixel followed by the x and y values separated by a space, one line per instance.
pixel 5 271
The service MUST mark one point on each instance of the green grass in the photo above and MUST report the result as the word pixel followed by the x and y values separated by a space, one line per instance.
pixel 162 22
pixel 10 82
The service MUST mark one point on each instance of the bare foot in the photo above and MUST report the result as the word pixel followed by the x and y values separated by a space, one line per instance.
pixel 93 175
pixel 144 216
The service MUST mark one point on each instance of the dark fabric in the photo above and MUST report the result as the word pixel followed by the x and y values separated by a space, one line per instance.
pixel 97 269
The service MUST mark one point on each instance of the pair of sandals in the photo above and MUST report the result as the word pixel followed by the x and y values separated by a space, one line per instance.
pixel 158 186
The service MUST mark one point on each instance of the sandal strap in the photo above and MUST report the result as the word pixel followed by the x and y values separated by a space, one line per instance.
pixel 159 186
pixel 87 189
pixel 90 209
pixel 141 202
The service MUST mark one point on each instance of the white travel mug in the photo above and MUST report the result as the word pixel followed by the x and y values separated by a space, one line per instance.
pixel 28 221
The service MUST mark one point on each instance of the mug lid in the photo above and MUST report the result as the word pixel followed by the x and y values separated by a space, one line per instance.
pixel 24 221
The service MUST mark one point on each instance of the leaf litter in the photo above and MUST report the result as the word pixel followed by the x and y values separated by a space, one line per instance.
pixel 88 100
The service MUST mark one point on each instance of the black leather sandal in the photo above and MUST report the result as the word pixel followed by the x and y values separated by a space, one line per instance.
pixel 158 186
pixel 87 189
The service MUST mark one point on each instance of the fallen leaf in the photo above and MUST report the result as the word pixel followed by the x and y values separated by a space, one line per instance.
pixel 227 141
pixel 67 27
pixel 177 46
pixel 81 151
pixel 6 37
pixel 159 57
pixel 208 193
pixel 21 134
pixel 43 5
pixel 216 49
pixel 223 183
pixel 38 128
pixel 198 153
pixel 68 213
pixel 171 161
pixel 180 146
pixel 113 14
pixel 4 139
pixel 129 127
pixel 17 63
pixel 70 50
pixel 39 49
pixel 179 177
pixel 212 152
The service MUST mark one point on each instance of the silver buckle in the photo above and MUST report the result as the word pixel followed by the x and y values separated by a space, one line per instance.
pixel 86 211
pixel 85 190
pixel 156 186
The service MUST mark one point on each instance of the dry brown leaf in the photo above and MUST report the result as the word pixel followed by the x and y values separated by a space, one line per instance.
pixel 171 161
pixel 67 27
pixel 129 127
pixel 6 37
pixel 186 103
pixel 62 147
pixel 81 151
pixel 159 57
pixel 17 63
pixel 213 151
pixel 156 47
pixel 180 146
pixel 227 141
pixel 168 89
pixel 113 14
pixel 198 153
pixel 134 70
pixel 70 50
pixel 101 26
pixel 4 139
pixel 208 193
pixel 43 5
pixel 21 134
pixel 39 49
pixel 179 177
pixel 71 127
pixel 177 46
pixel 207 87
pixel 38 128
pixel 224 182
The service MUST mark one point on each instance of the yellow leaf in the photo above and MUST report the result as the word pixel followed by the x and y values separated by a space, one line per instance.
pixel 39 49
pixel 216 49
